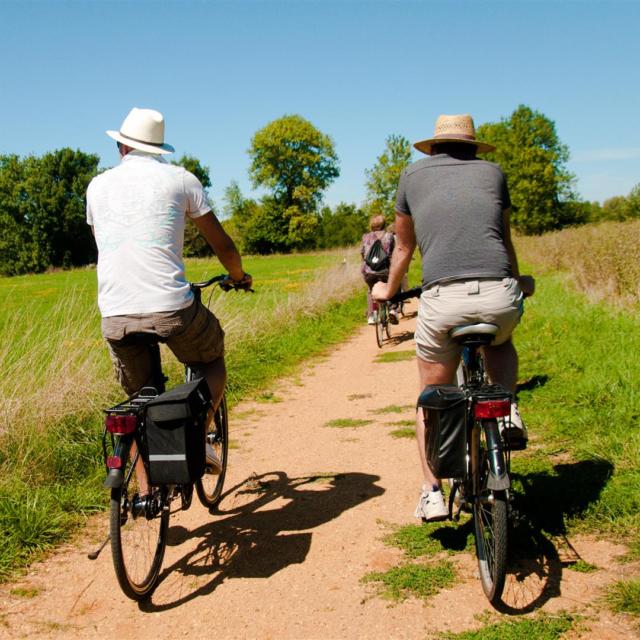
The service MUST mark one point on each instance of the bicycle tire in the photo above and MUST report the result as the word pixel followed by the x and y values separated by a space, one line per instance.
pixel 387 325
pixel 380 324
pixel 138 542
pixel 209 487
pixel 489 524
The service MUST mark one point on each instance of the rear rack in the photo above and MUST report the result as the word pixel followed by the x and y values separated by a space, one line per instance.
pixel 135 404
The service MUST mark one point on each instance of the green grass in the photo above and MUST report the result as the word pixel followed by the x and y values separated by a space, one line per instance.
pixel 346 423
pixel 393 408
pixel 395 356
pixel 403 433
pixel 580 399
pixel 581 566
pixel 545 627
pixel 429 539
pixel 624 597
pixel 57 377
pixel 24 592
pixel 358 396
pixel 416 580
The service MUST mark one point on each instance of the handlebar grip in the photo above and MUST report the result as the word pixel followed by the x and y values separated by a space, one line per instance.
pixel 416 292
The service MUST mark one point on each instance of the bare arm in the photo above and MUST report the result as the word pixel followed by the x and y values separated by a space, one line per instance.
pixel 400 259
pixel 221 243
pixel 527 283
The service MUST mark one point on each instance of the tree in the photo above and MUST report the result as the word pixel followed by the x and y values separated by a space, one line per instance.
pixel 42 211
pixel 534 161
pixel 194 242
pixel 295 161
pixel 383 177
pixel 341 227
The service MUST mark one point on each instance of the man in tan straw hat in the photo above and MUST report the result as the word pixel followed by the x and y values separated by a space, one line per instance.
pixel 455 207
pixel 138 213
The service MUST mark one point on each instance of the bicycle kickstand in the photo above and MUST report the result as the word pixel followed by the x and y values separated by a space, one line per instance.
pixel 93 555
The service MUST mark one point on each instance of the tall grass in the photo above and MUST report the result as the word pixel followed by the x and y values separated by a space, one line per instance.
pixel 57 377
pixel 603 261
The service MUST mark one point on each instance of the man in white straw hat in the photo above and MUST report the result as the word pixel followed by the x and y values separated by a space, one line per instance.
pixel 138 212
pixel 455 207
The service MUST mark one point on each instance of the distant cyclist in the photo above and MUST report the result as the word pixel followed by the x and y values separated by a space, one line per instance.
pixel 377 270
pixel 138 213
pixel 456 208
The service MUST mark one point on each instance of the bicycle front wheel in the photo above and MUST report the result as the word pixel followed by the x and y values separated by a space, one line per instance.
pixel 209 487
pixel 381 323
pixel 490 523
pixel 138 528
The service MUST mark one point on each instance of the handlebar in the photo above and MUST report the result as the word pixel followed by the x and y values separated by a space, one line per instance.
pixel 416 292
pixel 224 281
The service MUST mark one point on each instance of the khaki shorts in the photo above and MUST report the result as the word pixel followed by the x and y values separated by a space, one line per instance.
pixel 193 334
pixel 443 307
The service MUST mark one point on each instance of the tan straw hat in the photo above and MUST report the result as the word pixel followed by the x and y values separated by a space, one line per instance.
pixel 454 129
pixel 143 129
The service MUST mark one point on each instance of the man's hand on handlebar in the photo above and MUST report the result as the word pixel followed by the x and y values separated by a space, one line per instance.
pixel 527 285
pixel 244 283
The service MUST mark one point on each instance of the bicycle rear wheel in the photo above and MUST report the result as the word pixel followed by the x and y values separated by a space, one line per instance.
pixel 209 487
pixel 138 529
pixel 387 326
pixel 381 323
pixel 489 521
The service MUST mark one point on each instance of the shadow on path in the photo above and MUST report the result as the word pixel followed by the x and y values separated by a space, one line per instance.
pixel 256 539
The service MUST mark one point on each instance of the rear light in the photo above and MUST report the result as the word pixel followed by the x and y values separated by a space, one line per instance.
pixel 492 408
pixel 114 462
pixel 120 425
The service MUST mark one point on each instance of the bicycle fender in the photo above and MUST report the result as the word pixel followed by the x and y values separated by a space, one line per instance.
pixel 114 479
pixel 498 479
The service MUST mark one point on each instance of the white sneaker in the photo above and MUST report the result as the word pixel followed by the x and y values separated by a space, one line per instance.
pixel 214 466
pixel 371 319
pixel 431 506
pixel 515 431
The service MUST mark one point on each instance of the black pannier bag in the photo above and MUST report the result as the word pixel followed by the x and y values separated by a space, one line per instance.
pixel 175 433
pixel 446 405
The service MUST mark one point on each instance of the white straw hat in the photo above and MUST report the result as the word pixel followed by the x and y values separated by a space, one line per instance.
pixel 143 129
pixel 454 129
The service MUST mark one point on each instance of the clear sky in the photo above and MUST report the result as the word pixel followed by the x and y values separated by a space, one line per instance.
pixel 358 70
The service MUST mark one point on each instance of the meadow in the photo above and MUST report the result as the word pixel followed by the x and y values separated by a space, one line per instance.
pixel 57 376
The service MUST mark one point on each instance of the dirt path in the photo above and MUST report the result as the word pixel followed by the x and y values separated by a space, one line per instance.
pixel 302 522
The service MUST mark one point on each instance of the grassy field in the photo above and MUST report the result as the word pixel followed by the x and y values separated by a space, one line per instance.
pixel 602 261
pixel 57 376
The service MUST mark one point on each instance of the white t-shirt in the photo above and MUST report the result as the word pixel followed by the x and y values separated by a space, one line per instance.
pixel 138 210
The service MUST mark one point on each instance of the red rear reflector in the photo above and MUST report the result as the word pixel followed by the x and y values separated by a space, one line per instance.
pixel 492 408
pixel 120 425
pixel 114 462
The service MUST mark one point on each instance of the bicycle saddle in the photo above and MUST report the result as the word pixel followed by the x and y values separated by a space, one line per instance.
pixel 481 333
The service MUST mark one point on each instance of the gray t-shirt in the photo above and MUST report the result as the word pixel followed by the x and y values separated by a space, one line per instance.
pixel 457 206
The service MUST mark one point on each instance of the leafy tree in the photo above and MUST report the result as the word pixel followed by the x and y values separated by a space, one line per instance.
pixel 383 177
pixel 194 242
pixel 294 160
pixel 534 162
pixel 42 211
pixel 341 227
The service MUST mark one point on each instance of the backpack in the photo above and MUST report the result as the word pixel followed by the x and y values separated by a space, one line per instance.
pixel 377 259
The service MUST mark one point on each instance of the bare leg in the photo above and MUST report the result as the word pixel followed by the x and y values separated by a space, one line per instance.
pixel 430 373
pixel 216 375
pixel 502 364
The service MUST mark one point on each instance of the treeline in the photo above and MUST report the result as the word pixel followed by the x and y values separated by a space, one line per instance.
pixel 42 199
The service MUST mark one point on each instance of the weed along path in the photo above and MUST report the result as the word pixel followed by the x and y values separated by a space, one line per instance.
pixel 316 539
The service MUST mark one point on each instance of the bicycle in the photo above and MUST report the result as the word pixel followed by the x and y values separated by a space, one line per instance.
pixel 139 519
pixel 381 311
pixel 466 447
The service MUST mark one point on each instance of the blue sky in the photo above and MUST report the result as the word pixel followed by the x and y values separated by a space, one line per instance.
pixel 359 71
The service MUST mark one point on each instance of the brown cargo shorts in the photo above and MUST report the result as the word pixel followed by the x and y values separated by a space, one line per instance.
pixel 193 334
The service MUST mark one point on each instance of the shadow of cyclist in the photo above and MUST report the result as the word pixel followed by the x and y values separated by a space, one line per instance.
pixel 253 541
pixel 544 500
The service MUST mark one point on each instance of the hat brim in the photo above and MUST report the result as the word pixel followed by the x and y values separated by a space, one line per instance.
pixel 425 145
pixel 159 149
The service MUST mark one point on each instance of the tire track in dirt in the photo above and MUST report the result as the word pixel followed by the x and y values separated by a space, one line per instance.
pixel 300 524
